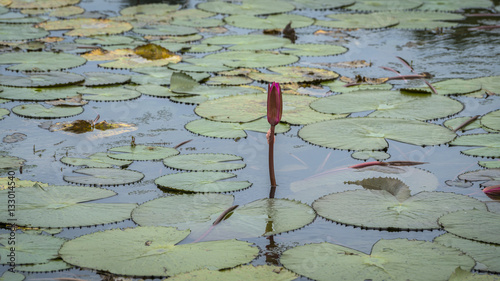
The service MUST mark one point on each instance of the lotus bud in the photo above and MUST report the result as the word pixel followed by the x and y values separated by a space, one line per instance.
pixel 493 192
pixel 274 103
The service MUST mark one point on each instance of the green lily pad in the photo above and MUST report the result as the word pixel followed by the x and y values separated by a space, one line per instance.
pixel 485 255
pixel 85 27
pixel 365 155
pixel 450 5
pixel 203 48
pixel 159 76
pixel 451 87
pixel 252 59
pixel 227 130
pixel 30 249
pixel 64 206
pixel 104 176
pixel 204 162
pixel 152 251
pixel 18 32
pixel 156 91
pixel 228 80
pixel 105 40
pixel 248 272
pixel 198 22
pixel 421 20
pixel 4 183
pixel 490 83
pixel 338 86
pixel 11 162
pixel 455 122
pixel 294 74
pixel 51 266
pixel 39 94
pixel 278 21
pixel 149 9
pixel 464 275
pixel 27 4
pixel 40 61
pixel 320 4
pixel 165 29
pixel 489 144
pixel 489 176
pixel 201 182
pixel 490 120
pixel 200 65
pixel 385 5
pixel 251 107
pixel 93 79
pixel 370 133
pixel 36 110
pixel 313 50
pixel 3 112
pixel 250 42
pixel 489 164
pixel 96 160
pixel 198 211
pixel 141 152
pixel 397 259
pixel 12 276
pixel 53 78
pixel 478 225
pixel 247 7
pixel 367 21
pixel 389 104
pixel 112 93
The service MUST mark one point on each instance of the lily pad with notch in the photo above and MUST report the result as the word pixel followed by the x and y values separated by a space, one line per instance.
pixel 200 65
pixel 65 206
pixel 11 162
pixel 104 176
pixel 3 112
pixel 141 152
pixel 339 86
pixel 454 123
pixel 35 110
pixel 40 61
pixel 27 4
pixel 161 76
pixel 202 162
pixel 451 6
pixel 201 182
pixel 384 5
pixel 421 19
pixel 489 144
pixel 51 266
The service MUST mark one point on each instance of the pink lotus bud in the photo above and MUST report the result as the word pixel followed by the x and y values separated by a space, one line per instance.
pixel 274 103
pixel 493 192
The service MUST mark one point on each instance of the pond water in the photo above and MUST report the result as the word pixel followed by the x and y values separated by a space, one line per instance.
pixel 446 54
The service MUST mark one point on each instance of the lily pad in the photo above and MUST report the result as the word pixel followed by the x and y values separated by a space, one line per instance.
pixel 201 182
pixel 30 249
pixel 291 74
pixel 165 29
pixel 278 21
pixel 51 266
pixel 489 84
pixel 365 155
pixel 15 137
pixel 485 255
pixel 421 20
pixel 313 50
pixel 152 251
pixel 250 42
pixel 232 130
pixel 28 4
pixel 93 79
pixel 251 107
pixel 17 32
pixel 389 104
pixel 385 5
pixel 105 40
pixel 397 259
pixel 366 21
pixel 11 162
pixel 12 276
pixel 64 206
pixel 455 122
pixel 53 78
pixel 197 22
pixel 116 93
pixel 141 152
pixel 478 225
pixel 39 94
pixel 489 176
pixel 3 112
pixel 36 110
pixel 247 7
pixel 320 4
pixel 252 59
pixel 489 164
pixel 200 65
pixel 96 160
pixel 228 80
pixel 489 144
pixel 40 61
pixel 150 9
pixel 127 58
pixel 204 162
pixel 84 27
pixel 490 120
pixel 450 5
pixel 370 133
pixel 249 272
pixel 338 86
pixel 159 76
pixel 104 176
pixel 451 87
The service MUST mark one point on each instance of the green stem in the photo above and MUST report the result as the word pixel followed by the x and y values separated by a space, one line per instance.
pixel 271 162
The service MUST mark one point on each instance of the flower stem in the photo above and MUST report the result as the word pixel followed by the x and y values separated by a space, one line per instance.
pixel 271 162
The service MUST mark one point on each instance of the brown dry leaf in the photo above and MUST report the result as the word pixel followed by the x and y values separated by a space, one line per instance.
pixel 153 52
pixel 69 101
pixel 352 64
pixel 363 80
pixel 100 54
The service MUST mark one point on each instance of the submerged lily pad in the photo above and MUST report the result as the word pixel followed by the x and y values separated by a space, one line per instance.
pixel 251 107
pixel 232 130
pixel 478 225
pixel 250 42
pixel 252 59
pixel 397 259
pixel 201 182
pixel 40 61
pixel 249 272
pixel 365 155
pixel 278 21
pixel 30 249
pixel 64 206
pixel 368 21
pixel 247 7
pixel 152 251
pixel 53 78
pixel 96 160
pixel 165 29
pixel 389 104
pixel 370 133
pixel 17 32
pixel 290 74
pixel 36 110
pixel 104 176
pixel 204 162
pixel 489 144
pixel 141 152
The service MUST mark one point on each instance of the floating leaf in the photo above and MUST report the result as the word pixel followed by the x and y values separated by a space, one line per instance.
pixel 84 126
pixel 313 50
pixel 93 79
pixel 15 137
pixel 204 162
pixel 228 80
pixel 252 59
pixel 11 162
pixel 249 272
pixel 368 21
pixel 53 78
pixel 320 4
pixel 17 32
pixel 454 123
pixel 485 255
pixel 141 152
pixel 96 160
pixel 421 20
pixel 365 155
pixel 29 249
pixel 28 4
pixel 4 183
pixel 197 22
pixel 36 110
pixel 152 251
pixel 490 176
pixel 489 144
pixel 64 206
pixel 126 58
pixel 247 7
pixel 489 84
pixel 232 130
pixel 117 93
pixel 489 164
pixel 39 94
pixel 450 5
pixel 278 21
pixel 201 182
pixel 3 112
pixel 12 276
pixel 251 107
pixel 150 9
pixel 40 61
pixel 385 5
pixel 69 101
pixel 165 29
pixel 105 40
pixel 104 176
pixel 389 104
pixel 385 262
pixel 478 225
pixel 51 266
pixel 418 212
pixel 451 87
pixel 490 120
pixel 250 42
pixel 291 74
pixel 200 65
pixel 85 27
pixel 394 186
pixel 369 133
pixel 159 76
